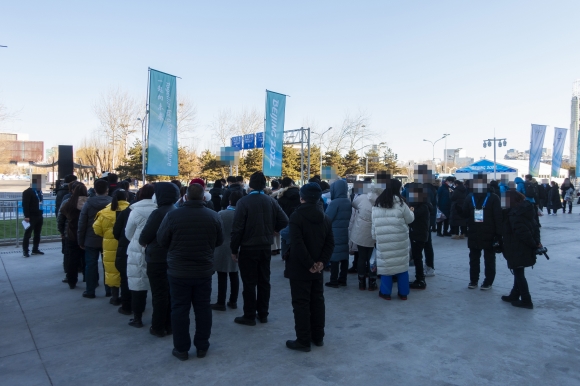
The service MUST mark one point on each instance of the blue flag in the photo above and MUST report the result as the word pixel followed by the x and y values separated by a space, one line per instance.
pixel 274 134
pixel 162 131
pixel 536 144
pixel 558 150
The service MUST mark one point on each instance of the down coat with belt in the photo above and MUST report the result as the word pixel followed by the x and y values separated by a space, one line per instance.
pixel 360 231
pixel 136 264
pixel 391 231
pixel 521 236
pixel 103 226
pixel 339 211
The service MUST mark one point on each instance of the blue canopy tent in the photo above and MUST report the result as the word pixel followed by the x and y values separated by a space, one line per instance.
pixel 486 167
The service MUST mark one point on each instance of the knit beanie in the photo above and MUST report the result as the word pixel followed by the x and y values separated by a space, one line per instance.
pixel 311 192
pixel 257 181
pixel 198 181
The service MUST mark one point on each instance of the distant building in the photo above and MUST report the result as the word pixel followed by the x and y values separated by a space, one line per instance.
pixel 18 149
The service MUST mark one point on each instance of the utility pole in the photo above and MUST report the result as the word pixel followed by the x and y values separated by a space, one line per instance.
pixel 445 152
pixel 433 144
pixel 327 130
pixel 496 142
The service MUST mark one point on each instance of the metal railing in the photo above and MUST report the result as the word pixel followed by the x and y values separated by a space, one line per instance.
pixel 11 216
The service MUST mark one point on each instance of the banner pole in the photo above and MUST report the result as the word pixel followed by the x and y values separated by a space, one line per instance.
pixel 144 135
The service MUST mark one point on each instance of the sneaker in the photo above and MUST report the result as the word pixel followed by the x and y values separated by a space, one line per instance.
pixel 218 307
pixel 318 343
pixel 124 311
pixel 472 285
pixel 383 296
pixel 429 271
pixel 182 356
pixel 154 332
pixel 25 254
pixel 245 321
pixel 403 297
pixel 201 353
pixel 485 287
pixel 418 285
pixel 37 252
pixel 232 305
pixel 520 304
pixel 295 345
pixel 89 296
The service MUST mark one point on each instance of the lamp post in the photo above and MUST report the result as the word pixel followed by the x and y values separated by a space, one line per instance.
pixel 143 140
pixel 320 148
pixel 367 158
pixel 487 143
pixel 445 152
pixel 433 144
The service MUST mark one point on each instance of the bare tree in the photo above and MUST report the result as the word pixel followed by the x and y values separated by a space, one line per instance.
pixel 351 134
pixel 223 127
pixel 95 151
pixel 117 112
pixel 186 118
pixel 248 121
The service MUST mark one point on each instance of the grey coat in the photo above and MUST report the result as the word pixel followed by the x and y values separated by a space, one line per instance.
pixel 222 257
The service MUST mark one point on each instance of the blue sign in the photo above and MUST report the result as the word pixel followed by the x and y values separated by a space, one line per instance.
pixel 237 142
pixel 249 141
pixel 259 140
pixel 274 134
pixel 162 128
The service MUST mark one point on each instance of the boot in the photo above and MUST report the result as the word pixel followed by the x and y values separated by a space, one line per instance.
pixel 526 302
pixel 372 284
pixel 115 296
pixel 362 285
pixel 514 296
pixel 136 321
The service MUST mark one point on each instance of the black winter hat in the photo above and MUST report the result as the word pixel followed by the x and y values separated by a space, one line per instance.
pixel 311 192
pixel 258 181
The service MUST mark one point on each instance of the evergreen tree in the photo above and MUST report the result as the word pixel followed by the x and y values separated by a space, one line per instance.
pixel 351 163
pixel 188 164
pixel 211 168
pixel 334 159
pixel 291 163
pixel 374 162
pixel 389 160
pixel 251 163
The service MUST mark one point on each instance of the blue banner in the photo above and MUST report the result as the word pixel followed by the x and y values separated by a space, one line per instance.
pixel 237 142
pixel 249 141
pixel 536 144
pixel 577 158
pixel 274 134
pixel 558 150
pixel 162 128
pixel 259 140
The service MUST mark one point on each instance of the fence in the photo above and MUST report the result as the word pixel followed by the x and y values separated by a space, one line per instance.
pixel 11 216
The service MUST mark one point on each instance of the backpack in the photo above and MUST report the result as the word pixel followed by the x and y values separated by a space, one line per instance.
pixel 531 191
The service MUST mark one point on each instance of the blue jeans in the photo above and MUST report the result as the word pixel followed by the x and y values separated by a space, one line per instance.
pixel 402 284
pixel 91 269
pixel 186 292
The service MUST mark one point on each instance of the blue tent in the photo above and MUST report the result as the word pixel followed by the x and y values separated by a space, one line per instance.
pixel 485 166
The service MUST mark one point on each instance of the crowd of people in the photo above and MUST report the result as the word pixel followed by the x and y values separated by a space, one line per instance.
pixel 170 239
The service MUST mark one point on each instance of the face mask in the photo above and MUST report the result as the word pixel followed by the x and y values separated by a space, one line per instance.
pixel 154 198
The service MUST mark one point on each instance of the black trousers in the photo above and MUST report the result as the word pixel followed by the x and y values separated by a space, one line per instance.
pixel 138 301
pixel 223 287
pixel 521 284
pixel 417 253
pixel 489 262
pixel 337 277
pixel 443 226
pixel 254 268
pixel 74 261
pixel 308 307
pixel 363 263
pixel 429 254
pixel 121 265
pixel 36 226
pixel 456 228
pixel 157 273
pixel 64 251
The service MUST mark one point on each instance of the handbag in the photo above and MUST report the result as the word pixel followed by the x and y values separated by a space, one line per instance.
pixel 440 216
pixel 373 261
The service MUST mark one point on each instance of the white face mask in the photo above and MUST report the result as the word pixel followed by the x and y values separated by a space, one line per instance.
pixel 154 198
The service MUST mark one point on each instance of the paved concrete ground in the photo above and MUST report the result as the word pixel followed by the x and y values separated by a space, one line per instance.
pixel 446 335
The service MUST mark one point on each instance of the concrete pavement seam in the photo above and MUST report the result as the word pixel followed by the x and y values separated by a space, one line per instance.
pixel 26 319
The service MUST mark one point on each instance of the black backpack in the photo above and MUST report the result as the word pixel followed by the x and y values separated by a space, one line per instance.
pixel 531 190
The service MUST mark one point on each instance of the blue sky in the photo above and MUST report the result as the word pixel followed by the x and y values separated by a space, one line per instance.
pixel 418 68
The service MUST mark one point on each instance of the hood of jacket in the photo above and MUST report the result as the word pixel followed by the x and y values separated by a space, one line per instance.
pixel 217 191
pixel 81 202
pixel 98 202
pixel 166 193
pixel 519 180
pixel 338 189
pixel 289 192
pixel 525 209
pixel 311 212
pixel 460 188
pixel 144 207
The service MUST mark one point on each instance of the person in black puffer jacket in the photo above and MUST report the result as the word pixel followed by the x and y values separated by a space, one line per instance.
pixel 258 216
pixel 166 194
pixel 521 239
pixel 420 204
pixel 234 186
pixel 190 233
pixel 288 196
pixel 482 234
pixel 121 259
pixel 311 246
pixel 457 222
pixel 216 195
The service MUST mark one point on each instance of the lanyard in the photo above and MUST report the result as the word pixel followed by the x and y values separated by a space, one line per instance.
pixel 37 196
pixel 257 192
pixel 485 202
pixel 231 207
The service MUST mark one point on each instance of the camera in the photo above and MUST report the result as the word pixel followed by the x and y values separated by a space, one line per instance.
pixel 543 251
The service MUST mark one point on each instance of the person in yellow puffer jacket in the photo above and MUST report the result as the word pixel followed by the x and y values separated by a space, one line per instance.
pixel 103 226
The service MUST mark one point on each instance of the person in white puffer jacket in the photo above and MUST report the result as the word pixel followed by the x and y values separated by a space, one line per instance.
pixel 136 264
pixel 390 219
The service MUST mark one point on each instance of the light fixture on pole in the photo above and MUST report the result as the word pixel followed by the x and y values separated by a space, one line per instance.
pixel 496 142
pixel 445 152
pixel 330 128
pixel 433 144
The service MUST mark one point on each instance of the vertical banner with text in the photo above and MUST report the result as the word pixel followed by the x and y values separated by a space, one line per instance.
pixel 162 132
pixel 558 150
pixel 536 144
pixel 274 134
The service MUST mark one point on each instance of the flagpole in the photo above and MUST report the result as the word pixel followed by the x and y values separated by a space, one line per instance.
pixel 144 133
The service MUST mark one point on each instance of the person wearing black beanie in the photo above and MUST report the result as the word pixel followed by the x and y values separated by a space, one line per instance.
pixel 258 217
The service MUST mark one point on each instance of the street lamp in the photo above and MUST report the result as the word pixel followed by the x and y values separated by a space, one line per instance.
pixel 445 152
pixel 433 144
pixel 330 128
pixel 496 142
pixel 367 158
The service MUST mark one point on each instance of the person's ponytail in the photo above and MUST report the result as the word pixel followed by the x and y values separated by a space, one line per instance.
pixel 118 195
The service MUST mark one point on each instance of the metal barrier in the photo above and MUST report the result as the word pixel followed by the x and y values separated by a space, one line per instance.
pixel 11 216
